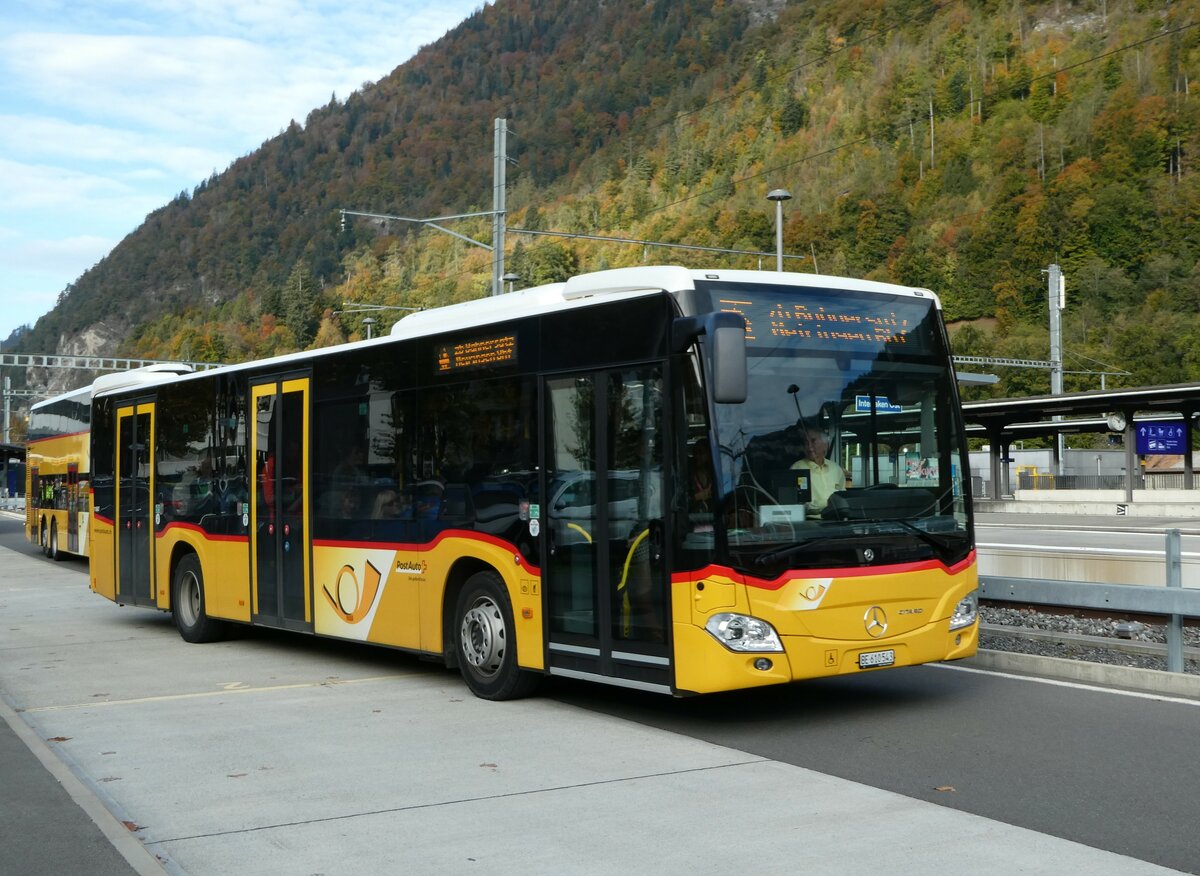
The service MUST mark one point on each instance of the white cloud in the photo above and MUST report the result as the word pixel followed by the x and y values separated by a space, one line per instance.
pixel 108 109
pixel 51 139
pixel 48 257
pixel 50 187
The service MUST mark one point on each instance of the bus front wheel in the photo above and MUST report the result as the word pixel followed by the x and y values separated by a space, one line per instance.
pixel 187 604
pixel 487 644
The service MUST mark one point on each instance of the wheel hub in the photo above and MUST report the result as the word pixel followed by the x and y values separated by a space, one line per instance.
pixel 483 636
pixel 189 599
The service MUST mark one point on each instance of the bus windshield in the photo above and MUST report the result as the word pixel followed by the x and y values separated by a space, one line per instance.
pixel 848 450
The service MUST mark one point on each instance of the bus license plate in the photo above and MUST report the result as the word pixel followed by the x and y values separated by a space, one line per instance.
pixel 873 659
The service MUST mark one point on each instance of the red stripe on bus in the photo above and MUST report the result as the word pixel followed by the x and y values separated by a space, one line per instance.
pixel 102 519
pixel 467 534
pixel 804 574
pixel 192 527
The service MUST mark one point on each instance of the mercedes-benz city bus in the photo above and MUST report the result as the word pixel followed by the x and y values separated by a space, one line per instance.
pixel 673 480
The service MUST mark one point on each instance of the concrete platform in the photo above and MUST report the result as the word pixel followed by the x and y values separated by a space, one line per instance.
pixel 282 754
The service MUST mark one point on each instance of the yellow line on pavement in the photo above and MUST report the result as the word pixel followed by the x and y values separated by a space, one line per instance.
pixel 224 691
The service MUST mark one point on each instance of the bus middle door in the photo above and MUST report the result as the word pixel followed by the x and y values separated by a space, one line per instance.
pixel 135 492
pixel 280 553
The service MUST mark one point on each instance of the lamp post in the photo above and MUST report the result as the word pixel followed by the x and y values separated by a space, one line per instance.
pixel 779 196
pixel 369 322
pixel 510 278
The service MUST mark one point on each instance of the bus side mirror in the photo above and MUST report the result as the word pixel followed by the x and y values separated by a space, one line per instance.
pixel 727 358
pixel 725 351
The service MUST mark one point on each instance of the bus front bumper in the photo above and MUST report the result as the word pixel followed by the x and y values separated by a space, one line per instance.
pixel 704 665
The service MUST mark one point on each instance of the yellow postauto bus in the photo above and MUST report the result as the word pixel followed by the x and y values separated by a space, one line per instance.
pixel 667 479
pixel 57 474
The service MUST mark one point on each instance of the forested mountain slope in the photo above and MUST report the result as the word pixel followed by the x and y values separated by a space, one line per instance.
pixel 958 145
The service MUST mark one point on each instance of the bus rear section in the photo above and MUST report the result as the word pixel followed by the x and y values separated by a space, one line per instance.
pixel 58 476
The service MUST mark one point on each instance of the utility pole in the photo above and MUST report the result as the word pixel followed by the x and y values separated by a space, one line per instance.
pixel 931 153
pixel 1056 296
pixel 499 166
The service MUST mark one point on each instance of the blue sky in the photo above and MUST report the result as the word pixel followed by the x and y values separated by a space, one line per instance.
pixel 110 109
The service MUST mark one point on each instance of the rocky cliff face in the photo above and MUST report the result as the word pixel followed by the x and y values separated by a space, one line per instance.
pixel 100 339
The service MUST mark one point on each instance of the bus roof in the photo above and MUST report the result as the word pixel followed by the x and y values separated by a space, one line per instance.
pixel 580 291
pixel 83 393
pixel 145 376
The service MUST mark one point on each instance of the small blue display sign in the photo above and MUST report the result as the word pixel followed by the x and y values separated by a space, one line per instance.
pixel 862 405
pixel 1159 438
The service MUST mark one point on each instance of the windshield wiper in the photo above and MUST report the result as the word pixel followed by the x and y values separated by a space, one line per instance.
pixel 772 557
pixel 928 537
pixel 939 544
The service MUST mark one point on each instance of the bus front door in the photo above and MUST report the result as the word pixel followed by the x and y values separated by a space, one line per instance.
pixel 280 563
pixel 602 518
pixel 135 491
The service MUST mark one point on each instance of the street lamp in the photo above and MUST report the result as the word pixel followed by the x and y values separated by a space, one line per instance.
pixel 510 278
pixel 369 322
pixel 779 196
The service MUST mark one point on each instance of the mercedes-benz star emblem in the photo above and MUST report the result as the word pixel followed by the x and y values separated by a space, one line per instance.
pixel 868 555
pixel 875 620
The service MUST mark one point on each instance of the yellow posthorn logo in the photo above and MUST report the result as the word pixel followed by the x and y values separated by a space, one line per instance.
pixel 351 602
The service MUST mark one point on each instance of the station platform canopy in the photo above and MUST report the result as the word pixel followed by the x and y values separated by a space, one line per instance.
pixel 1004 420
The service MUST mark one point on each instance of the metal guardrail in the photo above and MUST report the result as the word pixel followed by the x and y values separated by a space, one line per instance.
pixel 1173 601
pixel 12 503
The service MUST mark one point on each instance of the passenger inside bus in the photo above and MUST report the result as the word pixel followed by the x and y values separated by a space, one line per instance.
pixel 390 505
pixel 428 500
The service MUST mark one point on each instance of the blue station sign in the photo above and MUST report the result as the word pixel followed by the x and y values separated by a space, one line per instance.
pixel 862 405
pixel 1160 438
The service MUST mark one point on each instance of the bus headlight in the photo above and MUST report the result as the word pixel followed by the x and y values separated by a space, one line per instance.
pixel 966 612
pixel 740 632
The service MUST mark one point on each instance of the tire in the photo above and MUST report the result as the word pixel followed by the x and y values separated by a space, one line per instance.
pixel 187 604
pixel 43 540
pixel 53 552
pixel 486 641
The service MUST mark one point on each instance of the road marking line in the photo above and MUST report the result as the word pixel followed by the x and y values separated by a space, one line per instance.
pixel 217 693
pixel 1071 684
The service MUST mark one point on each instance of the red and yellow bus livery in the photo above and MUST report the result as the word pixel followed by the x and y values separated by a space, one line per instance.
pixel 671 480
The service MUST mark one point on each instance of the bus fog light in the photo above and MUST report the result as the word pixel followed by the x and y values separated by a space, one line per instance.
pixel 740 632
pixel 762 664
pixel 966 612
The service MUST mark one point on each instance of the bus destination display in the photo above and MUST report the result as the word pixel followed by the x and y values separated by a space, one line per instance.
pixel 478 353
pixel 855 323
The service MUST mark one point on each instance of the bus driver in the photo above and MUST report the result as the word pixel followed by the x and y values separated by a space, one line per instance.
pixel 825 476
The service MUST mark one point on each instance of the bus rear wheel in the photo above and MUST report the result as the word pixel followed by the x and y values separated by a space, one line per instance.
pixel 187 604
pixel 487 643
pixel 53 552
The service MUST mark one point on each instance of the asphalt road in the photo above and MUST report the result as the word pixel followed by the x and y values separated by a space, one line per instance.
pixel 12 536
pixel 1106 769
pixel 1112 771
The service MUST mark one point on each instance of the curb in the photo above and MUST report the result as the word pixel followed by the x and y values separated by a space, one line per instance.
pixel 141 859
pixel 1129 677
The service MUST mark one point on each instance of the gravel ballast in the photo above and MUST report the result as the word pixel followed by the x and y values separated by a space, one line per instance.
pixel 1113 641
